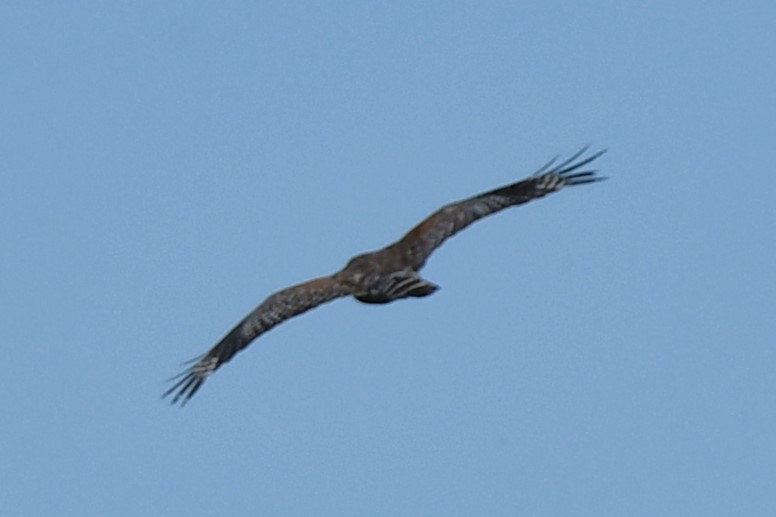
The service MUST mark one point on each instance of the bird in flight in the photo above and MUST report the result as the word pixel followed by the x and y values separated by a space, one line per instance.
pixel 384 275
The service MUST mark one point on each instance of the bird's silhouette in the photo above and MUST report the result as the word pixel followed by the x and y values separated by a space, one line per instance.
pixel 385 275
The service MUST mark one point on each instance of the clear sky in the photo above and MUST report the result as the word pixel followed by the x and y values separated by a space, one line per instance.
pixel 609 350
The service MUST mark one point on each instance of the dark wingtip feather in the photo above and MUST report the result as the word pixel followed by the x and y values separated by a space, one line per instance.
pixel 544 168
pixel 585 180
pixel 571 164
pixel 185 388
pixel 579 177
pixel 188 382
pixel 560 168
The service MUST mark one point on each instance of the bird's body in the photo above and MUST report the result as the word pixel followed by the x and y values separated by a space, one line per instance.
pixel 385 275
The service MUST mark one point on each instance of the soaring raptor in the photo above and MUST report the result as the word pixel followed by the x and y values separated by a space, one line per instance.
pixel 385 275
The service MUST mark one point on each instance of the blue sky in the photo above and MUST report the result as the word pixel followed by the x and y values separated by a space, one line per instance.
pixel 605 351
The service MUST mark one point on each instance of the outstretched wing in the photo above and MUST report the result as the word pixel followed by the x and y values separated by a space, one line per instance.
pixel 274 310
pixel 423 239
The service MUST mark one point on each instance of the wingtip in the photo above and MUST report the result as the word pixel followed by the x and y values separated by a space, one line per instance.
pixel 186 385
pixel 189 381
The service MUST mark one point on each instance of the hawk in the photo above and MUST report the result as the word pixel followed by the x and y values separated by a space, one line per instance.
pixel 385 275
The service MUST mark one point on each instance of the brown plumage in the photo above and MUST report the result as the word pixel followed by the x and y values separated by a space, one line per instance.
pixel 385 275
